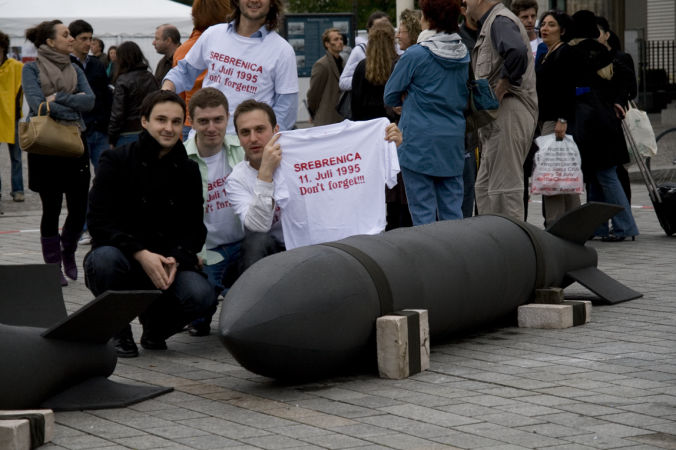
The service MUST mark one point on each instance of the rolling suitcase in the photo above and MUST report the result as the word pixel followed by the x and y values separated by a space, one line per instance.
pixel 663 196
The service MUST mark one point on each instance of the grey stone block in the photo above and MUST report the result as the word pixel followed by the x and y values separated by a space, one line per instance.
pixel 15 433
pixel 545 316
pixel 552 316
pixel 393 346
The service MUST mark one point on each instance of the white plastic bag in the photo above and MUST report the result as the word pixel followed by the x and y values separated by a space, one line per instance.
pixel 641 130
pixel 558 168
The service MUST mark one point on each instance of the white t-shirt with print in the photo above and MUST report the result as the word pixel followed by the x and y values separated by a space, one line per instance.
pixel 245 67
pixel 219 215
pixel 335 177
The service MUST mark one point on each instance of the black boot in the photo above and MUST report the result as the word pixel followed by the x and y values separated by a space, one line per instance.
pixel 68 247
pixel 51 253
pixel 124 343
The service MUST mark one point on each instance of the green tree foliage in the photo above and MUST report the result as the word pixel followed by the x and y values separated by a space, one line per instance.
pixel 363 8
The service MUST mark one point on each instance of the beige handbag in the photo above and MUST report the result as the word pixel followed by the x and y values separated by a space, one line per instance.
pixel 45 136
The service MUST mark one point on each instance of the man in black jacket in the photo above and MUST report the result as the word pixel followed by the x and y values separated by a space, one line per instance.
pixel 96 120
pixel 145 219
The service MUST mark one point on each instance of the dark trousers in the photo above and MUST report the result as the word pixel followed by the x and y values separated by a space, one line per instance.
pixel 190 295
pixel 76 202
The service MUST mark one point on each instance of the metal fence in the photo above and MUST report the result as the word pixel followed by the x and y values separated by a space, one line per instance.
pixel 659 59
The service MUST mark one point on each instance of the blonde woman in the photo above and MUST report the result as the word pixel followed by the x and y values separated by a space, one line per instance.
pixel 371 74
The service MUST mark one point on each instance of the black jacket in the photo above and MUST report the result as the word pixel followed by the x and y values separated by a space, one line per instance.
pixel 596 128
pixel 97 119
pixel 555 84
pixel 139 201
pixel 130 90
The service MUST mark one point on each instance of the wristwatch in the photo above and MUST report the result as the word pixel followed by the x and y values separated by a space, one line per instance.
pixel 563 121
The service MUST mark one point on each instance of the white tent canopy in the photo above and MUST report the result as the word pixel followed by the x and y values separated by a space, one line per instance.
pixel 113 21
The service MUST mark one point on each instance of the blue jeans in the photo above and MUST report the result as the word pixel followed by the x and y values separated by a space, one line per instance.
pixel 190 295
pixel 607 188
pixel 98 142
pixel 431 197
pixel 127 138
pixel 15 159
pixel 231 253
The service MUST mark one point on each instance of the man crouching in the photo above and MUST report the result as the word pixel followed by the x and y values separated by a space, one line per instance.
pixel 145 219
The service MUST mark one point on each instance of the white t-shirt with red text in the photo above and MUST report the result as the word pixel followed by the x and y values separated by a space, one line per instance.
pixel 245 67
pixel 335 177
pixel 222 224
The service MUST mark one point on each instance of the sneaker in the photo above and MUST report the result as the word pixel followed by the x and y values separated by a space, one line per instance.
pixel 18 197
pixel 85 239
pixel 199 329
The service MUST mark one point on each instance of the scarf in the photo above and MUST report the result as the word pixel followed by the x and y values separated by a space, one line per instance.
pixel 57 74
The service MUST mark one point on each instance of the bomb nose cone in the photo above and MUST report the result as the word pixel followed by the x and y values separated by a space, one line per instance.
pixel 300 314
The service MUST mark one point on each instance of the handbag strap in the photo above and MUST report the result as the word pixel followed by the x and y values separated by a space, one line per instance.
pixel 40 108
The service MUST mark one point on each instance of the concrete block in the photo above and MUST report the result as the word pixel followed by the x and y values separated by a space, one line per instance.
pixel 549 296
pixel 15 433
pixel 396 358
pixel 565 315
pixel 545 316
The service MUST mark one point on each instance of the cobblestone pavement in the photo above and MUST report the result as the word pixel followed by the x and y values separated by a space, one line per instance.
pixel 608 384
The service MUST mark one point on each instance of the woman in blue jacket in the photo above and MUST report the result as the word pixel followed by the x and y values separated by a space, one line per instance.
pixel 52 78
pixel 430 80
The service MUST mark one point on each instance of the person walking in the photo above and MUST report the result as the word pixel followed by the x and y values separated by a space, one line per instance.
pixel 53 79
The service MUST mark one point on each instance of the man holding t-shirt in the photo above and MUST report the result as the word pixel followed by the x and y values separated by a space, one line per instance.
pixel 215 154
pixel 256 185
pixel 244 59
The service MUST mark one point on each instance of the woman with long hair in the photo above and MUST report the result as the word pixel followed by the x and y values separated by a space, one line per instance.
pixel 368 87
pixel 133 82
pixel 371 74
pixel 430 79
pixel 54 80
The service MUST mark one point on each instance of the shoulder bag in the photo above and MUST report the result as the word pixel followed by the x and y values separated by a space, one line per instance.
pixel 45 136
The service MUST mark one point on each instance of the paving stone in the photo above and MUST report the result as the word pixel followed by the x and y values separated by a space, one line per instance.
pixel 408 426
pixel 429 415
pixel 406 442
pixel 334 440
pixel 208 442
pixel 465 440
pixel 145 442
pixel 273 442
pixel 600 441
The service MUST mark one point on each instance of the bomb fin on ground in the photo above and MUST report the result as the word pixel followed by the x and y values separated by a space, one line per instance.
pixel 102 318
pixel 579 224
pixel 608 289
